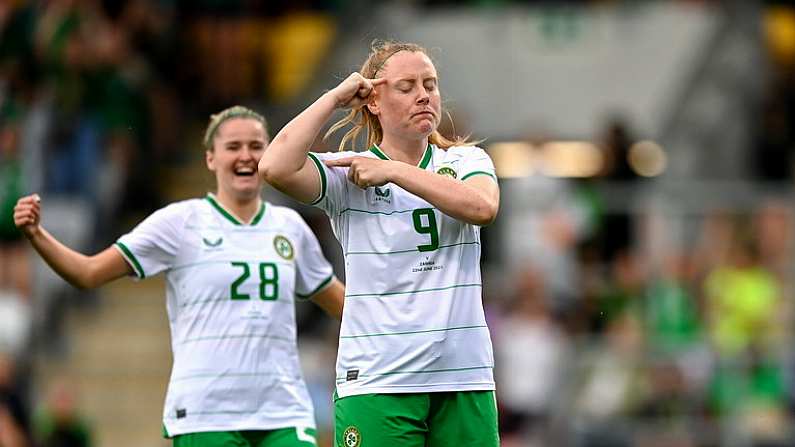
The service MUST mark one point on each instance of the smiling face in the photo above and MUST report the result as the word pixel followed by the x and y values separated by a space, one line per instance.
pixel 237 147
pixel 408 106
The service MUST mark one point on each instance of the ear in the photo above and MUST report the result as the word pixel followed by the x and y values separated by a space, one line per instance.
pixel 209 158
pixel 372 106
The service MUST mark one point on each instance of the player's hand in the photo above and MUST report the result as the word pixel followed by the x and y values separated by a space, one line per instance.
pixel 355 91
pixel 27 215
pixel 364 171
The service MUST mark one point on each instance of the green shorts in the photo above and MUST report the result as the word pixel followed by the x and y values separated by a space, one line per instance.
pixel 461 419
pixel 284 437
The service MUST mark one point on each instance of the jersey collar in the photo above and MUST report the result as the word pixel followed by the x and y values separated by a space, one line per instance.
pixel 426 158
pixel 230 216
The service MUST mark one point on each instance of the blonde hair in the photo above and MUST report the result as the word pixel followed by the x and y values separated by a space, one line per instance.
pixel 227 114
pixel 361 118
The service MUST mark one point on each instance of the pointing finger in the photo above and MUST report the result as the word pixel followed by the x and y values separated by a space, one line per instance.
pixel 339 162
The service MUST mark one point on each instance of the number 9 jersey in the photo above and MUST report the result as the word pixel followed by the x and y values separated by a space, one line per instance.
pixel 413 319
pixel 231 290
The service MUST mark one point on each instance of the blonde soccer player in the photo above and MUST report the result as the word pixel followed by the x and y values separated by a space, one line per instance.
pixel 415 361
pixel 234 266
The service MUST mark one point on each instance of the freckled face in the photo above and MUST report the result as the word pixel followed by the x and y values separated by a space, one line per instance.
pixel 409 104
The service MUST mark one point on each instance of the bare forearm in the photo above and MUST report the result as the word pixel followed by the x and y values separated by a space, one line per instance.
pixel 455 198
pixel 286 154
pixel 79 270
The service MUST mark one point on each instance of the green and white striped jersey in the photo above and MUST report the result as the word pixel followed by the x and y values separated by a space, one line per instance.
pixel 230 297
pixel 413 318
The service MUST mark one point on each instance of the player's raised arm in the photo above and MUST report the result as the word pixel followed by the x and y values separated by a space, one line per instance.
pixel 285 164
pixel 85 272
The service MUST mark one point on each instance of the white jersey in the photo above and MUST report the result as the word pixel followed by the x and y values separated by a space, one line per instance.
pixel 230 296
pixel 413 319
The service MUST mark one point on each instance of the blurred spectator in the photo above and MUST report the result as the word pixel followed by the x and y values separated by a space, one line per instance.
pixel 612 383
pixel 615 231
pixel 742 300
pixel 59 423
pixel 15 275
pixel 14 424
pixel 552 220
pixel 528 384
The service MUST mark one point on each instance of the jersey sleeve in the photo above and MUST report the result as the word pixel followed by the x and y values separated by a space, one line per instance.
pixel 333 182
pixel 477 162
pixel 313 271
pixel 152 246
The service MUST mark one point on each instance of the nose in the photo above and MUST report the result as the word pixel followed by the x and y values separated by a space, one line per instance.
pixel 424 98
pixel 246 153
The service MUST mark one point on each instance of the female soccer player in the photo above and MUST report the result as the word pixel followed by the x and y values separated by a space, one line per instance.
pixel 234 265
pixel 415 360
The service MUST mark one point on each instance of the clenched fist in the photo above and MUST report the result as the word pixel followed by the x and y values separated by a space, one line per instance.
pixel 27 215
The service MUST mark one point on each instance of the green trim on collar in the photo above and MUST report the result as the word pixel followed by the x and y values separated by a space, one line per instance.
pixel 221 210
pixel 377 151
pixel 218 207
pixel 426 157
pixel 260 213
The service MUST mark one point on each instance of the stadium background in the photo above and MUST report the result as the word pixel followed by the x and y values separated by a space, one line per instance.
pixel 638 281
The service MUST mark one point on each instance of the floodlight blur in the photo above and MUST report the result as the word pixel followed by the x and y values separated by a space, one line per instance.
pixel 512 159
pixel 647 158
pixel 570 159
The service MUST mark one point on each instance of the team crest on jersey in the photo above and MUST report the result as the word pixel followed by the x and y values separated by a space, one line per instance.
pixel 283 247
pixel 351 437
pixel 448 171
pixel 383 194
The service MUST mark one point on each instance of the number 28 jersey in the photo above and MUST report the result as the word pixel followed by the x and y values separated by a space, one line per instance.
pixel 413 318
pixel 230 297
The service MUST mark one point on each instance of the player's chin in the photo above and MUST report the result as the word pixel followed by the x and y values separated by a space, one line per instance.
pixel 246 184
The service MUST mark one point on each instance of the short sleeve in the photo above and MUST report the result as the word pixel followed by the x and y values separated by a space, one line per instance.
pixel 333 182
pixel 152 246
pixel 477 162
pixel 313 271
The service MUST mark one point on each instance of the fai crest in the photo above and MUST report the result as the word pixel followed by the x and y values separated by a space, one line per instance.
pixel 448 171
pixel 351 437
pixel 283 247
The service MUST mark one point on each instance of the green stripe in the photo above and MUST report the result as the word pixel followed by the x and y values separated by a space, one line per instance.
pixel 323 182
pixel 259 215
pixel 236 229
pixel 377 151
pixel 226 337
pixel 209 376
pixel 131 257
pixel 414 332
pixel 427 371
pixel 385 213
pixel 223 212
pixel 224 261
pixel 219 300
pixel 317 289
pixel 426 158
pixel 413 250
pixel 474 173
pixel 359 295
